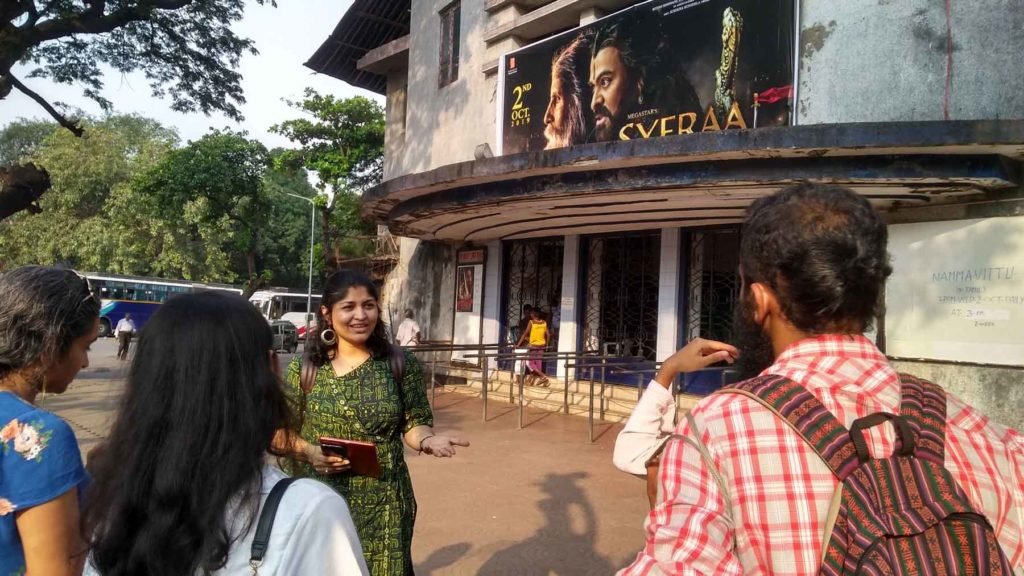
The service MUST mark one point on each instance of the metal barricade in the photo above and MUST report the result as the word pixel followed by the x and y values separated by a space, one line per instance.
pixel 496 353
pixel 435 347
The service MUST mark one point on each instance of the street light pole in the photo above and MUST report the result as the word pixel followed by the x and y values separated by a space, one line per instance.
pixel 312 235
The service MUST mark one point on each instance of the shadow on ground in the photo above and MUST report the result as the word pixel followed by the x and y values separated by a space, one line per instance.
pixel 442 558
pixel 564 545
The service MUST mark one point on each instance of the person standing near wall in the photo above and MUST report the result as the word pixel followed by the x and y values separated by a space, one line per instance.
pixel 123 332
pixel 408 333
pixel 537 336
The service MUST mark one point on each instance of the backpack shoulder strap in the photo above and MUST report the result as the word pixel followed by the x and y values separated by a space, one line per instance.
pixel 796 406
pixel 307 375
pixel 397 359
pixel 923 404
pixel 261 540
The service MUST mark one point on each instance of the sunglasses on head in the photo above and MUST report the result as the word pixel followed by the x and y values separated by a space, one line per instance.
pixel 88 286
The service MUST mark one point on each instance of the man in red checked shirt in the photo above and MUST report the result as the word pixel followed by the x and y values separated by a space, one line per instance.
pixel 813 265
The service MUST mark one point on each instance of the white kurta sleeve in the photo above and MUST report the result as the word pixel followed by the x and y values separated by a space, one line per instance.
pixel 648 425
pixel 325 541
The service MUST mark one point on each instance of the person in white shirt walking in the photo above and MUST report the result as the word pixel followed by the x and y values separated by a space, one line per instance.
pixel 408 331
pixel 123 332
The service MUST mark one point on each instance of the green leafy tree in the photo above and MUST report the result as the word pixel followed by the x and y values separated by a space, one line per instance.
pixel 184 47
pixel 213 190
pixel 21 138
pixel 87 173
pixel 288 229
pixel 342 142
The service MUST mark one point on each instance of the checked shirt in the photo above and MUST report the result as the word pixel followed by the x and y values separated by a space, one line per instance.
pixel 771 518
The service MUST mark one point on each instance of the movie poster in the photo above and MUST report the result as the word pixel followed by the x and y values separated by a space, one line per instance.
pixel 464 289
pixel 659 68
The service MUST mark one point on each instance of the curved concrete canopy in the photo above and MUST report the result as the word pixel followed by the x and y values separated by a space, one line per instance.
pixel 699 179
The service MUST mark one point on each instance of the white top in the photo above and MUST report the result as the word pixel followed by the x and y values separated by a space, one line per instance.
pixel 125 325
pixel 647 429
pixel 407 332
pixel 313 533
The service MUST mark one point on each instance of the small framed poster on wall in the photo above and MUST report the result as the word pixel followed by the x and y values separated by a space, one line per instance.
pixel 464 289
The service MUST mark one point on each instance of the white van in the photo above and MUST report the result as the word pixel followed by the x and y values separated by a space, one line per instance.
pixel 289 306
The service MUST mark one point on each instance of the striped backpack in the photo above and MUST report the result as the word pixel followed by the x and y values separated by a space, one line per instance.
pixel 900 515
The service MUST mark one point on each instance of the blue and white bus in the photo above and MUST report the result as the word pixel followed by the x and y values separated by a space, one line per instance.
pixel 139 296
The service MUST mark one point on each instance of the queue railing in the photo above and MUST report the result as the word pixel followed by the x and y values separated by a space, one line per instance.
pixel 640 374
pixel 589 362
pixel 440 346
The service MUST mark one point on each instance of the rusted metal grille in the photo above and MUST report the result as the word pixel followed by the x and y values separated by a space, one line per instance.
pixel 621 310
pixel 449 64
pixel 713 283
pixel 532 271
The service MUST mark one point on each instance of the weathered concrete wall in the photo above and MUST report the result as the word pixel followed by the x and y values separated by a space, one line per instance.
pixel 395 123
pixel 886 60
pixel 998 392
pixel 423 280
pixel 444 125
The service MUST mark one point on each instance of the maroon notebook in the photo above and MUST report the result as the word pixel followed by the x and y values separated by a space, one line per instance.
pixel 361 455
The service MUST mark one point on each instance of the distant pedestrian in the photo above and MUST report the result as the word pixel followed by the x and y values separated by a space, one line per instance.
pixel 537 336
pixel 48 319
pixel 124 332
pixel 408 331
pixel 183 480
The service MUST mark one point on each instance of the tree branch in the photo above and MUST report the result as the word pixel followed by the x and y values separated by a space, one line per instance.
pixel 30 7
pixel 60 118
pixel 92 23
pixel 21 187
pixel 11 10
pixel 96 7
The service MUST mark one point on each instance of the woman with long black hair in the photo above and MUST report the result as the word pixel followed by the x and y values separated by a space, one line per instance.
pixel 183 478
pixel 363 388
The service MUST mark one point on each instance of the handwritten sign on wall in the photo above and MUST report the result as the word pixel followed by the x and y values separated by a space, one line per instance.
pixel 957 291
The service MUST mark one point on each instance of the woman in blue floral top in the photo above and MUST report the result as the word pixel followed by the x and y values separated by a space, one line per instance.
pixel 48 319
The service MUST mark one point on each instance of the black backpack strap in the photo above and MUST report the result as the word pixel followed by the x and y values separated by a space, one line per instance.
pixel 261 540
pixel 398 364
pixel 307 374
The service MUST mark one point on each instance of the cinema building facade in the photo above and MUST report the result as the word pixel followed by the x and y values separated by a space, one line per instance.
pixel 595 157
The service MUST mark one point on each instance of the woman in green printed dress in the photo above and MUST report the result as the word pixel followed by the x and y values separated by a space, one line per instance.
pixel 355 396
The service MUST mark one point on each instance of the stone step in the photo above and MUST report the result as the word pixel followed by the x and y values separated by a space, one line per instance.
pixel 619 401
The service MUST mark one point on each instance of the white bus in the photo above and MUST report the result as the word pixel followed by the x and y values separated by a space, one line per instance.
pixel 288 306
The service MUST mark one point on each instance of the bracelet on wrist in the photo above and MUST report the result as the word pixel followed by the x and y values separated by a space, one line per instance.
pixel 424 439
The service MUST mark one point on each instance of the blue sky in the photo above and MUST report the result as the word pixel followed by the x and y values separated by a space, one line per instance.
pixel 286 37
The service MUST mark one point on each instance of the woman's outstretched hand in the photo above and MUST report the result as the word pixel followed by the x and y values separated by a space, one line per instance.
pixel 442 446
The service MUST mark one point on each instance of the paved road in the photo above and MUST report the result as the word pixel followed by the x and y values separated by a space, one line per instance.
pixel 536 501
